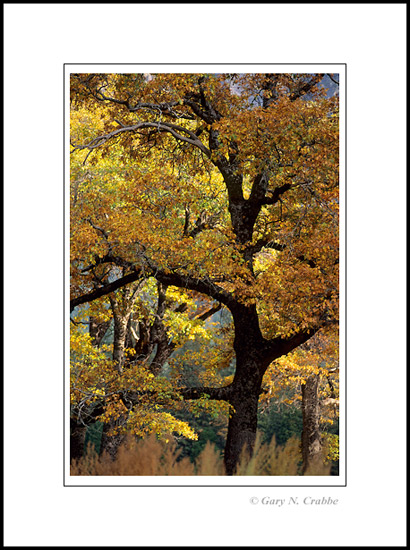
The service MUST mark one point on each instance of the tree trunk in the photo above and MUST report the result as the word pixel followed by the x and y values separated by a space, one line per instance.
pixel 121 316
pixel 251 363
pixel 241 429
pixel 120 333
pixel 311 441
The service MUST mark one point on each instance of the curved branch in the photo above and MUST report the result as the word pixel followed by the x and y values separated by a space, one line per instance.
pixel 204 286
pixel 332 79
pixel 204 316
pixel 179 132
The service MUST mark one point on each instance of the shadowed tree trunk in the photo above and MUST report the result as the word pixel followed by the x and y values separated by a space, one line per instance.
pixel 156 342
pixel 253 356
pixel 251 364
pixel 77 436
pixel 241 429
pixel 159 344
pixel 121 305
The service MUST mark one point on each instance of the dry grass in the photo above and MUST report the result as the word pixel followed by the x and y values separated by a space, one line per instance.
pixel 151 457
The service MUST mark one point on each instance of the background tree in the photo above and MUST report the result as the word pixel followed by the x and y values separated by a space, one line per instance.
pixel 308 378
pixel 224 185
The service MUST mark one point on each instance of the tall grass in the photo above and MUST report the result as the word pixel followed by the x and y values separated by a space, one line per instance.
pixel 151 457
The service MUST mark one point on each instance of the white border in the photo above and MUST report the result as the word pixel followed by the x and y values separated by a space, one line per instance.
pixel 221 481
pixel 38 39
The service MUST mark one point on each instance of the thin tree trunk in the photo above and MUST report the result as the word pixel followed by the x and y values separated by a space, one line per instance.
pixel 121 317
pixel 120 333
pixel 311 440
pixel 121 314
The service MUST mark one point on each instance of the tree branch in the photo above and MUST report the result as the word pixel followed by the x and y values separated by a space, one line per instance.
pixel 282 346
pixel 276 194
pixel 205 286
pixel 179 132
pixel 332 79
pixel 206 314
pixel 220 394
pixel 305 88
pixel 106 289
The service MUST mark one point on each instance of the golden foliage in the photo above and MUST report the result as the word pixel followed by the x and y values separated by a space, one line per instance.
pixel 94 377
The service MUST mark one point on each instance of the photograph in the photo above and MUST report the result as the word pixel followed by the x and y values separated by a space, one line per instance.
pixel 205 271
pixel 204 214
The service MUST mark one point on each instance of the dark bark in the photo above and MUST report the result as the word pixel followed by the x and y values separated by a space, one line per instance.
pixel 143 338
pixel 252 360
pixel 106 289
pixel 246 389
pixel 111 443
pixel 220 394
pixel 121 306
pixel 311 440
pixel 206 314
pixel 159 341
pixel 253 356
pixel 77 435
pixel 241 429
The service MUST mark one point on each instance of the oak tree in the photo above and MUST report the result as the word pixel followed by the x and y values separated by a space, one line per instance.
pixel 223 187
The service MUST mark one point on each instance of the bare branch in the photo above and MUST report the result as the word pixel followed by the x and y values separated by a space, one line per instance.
pixel 332 79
